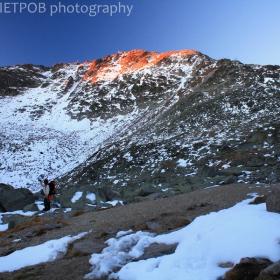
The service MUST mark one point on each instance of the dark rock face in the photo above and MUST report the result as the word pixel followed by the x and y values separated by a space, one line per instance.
pixel 12 82
pixel 14 199
pixel 273 200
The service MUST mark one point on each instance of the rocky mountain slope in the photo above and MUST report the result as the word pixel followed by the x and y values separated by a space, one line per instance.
pixel 140 124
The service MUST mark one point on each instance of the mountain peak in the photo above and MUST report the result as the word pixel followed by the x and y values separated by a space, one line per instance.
pixel 170 121
pixel 110 67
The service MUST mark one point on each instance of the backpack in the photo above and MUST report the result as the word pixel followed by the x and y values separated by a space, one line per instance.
pixel 52 186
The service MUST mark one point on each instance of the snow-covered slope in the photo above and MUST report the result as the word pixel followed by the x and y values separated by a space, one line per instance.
pixel 140 119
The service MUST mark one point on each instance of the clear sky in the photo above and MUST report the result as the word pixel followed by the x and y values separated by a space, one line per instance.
pixel 51 31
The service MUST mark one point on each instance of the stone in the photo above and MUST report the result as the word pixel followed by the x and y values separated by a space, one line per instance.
pixel 153 226
pixel 192 207
pixel 145 191
pixel 14 199
pixel 226 265
pixel 31 207
pixel 259 200
pixel 256 161
pixel 14 220
pixel 78 206
pixel 87 247
pixel 53 226
pixel 30 234
pixel 273 200
pixel 142 226
pixel 156 250
pixel 270 272
pixel 272 178
pixel 206 171
pixel 230 179
pixel 246 146
pixel 198 145
pixel 231 171
pixel 108 194
pixel 247 268
pixel 67 195
pixel 154 196
pixel 237 162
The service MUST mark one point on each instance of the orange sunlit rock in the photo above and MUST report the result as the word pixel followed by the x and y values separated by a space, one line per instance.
pixel 110 67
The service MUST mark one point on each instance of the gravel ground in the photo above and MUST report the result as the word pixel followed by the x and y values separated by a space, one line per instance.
pixel 158 216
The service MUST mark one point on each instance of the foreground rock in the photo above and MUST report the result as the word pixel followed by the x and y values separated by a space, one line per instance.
pixel 247 268
pixel 273 200
pixel 271 272
pixel 14 199
pixel 156 250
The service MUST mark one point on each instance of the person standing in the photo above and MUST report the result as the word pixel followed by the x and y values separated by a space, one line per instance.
pixel 47 197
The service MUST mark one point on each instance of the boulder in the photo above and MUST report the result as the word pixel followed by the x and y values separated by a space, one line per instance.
pixel 259 200
pixel 230 179
pixel 108 194
pixel 154 196
pixel 14 220
pixel 271 272
pixel 157 250
pixel 87 247
pixel 272 178
pixel 66 198
pixel 226 265
pixel 53 226
pixel 14 199
pixel 231 171
pixel 145 191
pixel 206 171
pixel 247 268
pixel 31 207
pixel 273 200
pixel 154 226
pixel 246 146
pixel 256 161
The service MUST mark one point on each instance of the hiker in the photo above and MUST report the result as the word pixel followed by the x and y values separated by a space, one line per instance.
pixel 47 197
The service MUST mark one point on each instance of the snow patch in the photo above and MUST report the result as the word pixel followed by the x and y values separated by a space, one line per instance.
pixel 202 246
pixel 76 197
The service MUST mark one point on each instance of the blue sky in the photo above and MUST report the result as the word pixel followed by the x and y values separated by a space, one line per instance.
pixel 246 30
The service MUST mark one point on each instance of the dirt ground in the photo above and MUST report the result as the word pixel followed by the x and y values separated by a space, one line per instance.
pixel 159 216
